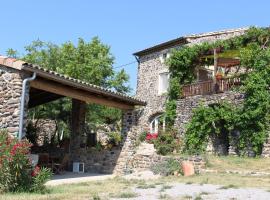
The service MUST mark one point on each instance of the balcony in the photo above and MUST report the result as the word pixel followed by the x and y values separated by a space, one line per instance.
pixel 208 87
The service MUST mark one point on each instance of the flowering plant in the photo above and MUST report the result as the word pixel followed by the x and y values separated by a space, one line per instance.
pixel 151 136
pixel 16 170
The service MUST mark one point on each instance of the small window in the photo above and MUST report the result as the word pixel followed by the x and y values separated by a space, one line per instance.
pixel 163 84
pixel 163 57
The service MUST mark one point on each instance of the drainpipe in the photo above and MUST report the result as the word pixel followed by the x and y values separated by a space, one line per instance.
pixel 25 81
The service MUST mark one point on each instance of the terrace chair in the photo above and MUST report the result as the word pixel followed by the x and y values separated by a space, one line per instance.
pixel 44 160
pixel 59 168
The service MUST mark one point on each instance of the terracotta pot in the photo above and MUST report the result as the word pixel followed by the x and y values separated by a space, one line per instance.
pixel 188 168
pixel 219 76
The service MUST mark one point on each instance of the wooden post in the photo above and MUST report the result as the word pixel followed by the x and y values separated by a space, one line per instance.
pixel 215 87
pixel 215 65
pixel 77 124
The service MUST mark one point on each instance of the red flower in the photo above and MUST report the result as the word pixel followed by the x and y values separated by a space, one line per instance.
pixel 35 171
pixel 151 136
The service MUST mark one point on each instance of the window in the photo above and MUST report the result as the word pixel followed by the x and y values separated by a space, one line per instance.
pixel 163 57
pixel 158 123
pixel 163 82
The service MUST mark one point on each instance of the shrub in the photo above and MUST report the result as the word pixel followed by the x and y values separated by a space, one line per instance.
pixel 16 171
pixel 167 167
pixel 166 142
pixel 142 136
pixel 115 138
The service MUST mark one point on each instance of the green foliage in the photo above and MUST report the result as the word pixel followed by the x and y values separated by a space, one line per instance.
pixel 40 179
pixel 115 138
pixel 252 119
pixel 167 167
pixel 142 136
pixel 166 142
pixel 16 171
pixel 208 121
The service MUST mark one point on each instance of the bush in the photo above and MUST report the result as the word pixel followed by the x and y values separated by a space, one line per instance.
pixel 142 136
pixel 16 171
pixel 115 138
pixel 167 167
pixel 166 142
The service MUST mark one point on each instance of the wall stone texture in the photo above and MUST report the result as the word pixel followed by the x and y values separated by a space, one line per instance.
pixel 10 94
pixel 145 160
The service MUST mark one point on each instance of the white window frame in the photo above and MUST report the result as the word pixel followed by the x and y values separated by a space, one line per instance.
pixel 155 122
pixel 161 57
pixel 161 89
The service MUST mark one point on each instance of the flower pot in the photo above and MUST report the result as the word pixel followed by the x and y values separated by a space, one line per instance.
pixel 188 168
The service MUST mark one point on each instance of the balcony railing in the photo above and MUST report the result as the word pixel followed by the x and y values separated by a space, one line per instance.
pixel 208 87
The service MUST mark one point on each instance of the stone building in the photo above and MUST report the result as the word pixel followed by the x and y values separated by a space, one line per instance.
pixel 153 75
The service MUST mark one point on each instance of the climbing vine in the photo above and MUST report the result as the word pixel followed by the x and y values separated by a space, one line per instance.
pixel 252 119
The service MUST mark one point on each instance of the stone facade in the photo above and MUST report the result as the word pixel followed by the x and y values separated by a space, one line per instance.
pixel 152 64
pixel 10 94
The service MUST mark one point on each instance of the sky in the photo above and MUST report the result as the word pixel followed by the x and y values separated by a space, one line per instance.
pixel 126 26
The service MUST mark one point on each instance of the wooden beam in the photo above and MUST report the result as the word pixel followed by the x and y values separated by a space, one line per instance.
pixel 78 94
pixel 46 98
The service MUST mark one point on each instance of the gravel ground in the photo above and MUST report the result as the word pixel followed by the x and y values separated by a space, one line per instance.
pixel 196 191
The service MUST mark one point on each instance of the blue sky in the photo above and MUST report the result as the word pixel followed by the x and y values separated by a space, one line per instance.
pixel 127 26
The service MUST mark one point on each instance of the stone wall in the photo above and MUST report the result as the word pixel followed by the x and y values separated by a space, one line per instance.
pixel 145 159
pixel 116 160
pixel 266 148
pixel 218 145
pixel 10 94
pixel 186 105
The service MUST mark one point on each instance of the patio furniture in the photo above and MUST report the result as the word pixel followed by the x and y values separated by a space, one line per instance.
pixel 44 160
pixel 58 168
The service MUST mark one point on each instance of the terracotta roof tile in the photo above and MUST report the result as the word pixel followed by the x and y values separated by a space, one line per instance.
pixel 21 65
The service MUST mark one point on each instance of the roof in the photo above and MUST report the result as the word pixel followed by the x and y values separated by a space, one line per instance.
pixel 55 77
pixel 183 40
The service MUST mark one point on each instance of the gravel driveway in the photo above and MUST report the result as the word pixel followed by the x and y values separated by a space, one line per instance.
pixel 195 191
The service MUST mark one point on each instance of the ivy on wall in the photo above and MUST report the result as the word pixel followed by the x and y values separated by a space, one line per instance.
pixel 252 119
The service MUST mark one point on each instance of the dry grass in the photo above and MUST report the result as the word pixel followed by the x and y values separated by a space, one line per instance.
pixel 115 187
pixel 102 189
pixel 223 163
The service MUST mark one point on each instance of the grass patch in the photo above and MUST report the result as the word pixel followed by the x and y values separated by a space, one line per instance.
pixel 198 198
pixel 146 186
pixel 230 186
pixel 189 183
pixel 164 196
pixel 165 187
pixel 125 195
pixel 204 193
pixel 235 163
pixel 186 197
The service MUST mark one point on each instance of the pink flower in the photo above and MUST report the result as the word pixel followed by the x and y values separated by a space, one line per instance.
pixel 35 171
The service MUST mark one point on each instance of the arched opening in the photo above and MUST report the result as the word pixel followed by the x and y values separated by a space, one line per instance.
pixel 157 123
